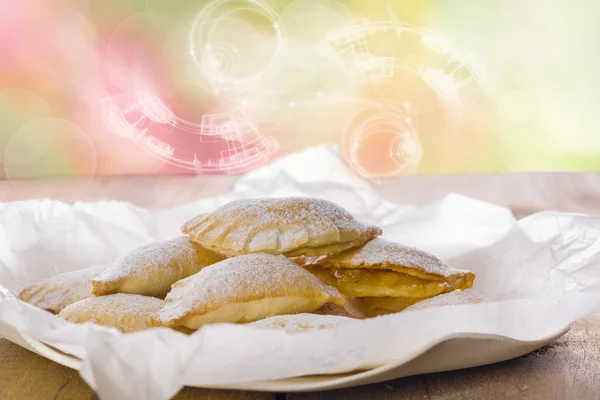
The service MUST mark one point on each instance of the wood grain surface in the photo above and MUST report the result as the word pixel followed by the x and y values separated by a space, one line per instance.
pixel 28 376
pixel 566 369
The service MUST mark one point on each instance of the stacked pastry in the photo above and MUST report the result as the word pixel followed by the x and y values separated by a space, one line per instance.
pixel 285 263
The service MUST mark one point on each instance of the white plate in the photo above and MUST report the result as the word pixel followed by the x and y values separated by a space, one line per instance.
pixel 453 352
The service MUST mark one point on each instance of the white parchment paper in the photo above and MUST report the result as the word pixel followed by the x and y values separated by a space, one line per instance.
pixel 542 273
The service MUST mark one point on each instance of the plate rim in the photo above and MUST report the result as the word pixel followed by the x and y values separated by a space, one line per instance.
pixel 365 374
pixel 70 361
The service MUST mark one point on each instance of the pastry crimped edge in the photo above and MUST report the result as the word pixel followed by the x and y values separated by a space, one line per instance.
pixel 457 278
pixel 179 322
pixel 333 248
pixel 358 233
pixel 93 309
pixel 370 233
pixel 106 288
pixel 308 288
pixel 194 254
pixel 81 277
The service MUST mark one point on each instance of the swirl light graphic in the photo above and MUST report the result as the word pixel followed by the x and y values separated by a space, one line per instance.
pixel 408 73
pixel 220 60
pixel 387 79
pixel 225 140
pixel 371 50
pixel 375 127
pixel 150 123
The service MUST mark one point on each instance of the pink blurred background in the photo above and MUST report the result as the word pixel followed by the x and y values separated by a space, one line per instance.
pixel 90 88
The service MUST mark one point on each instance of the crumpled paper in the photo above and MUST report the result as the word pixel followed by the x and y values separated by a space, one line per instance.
pixel 542 273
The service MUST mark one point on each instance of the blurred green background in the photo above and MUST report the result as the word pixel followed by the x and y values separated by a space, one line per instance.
pixel 536 110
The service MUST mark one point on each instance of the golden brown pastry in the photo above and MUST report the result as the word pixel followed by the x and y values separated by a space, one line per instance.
pixel 351 309
pixel 292 226
pixel 455 298
pixel 387 276
pixel 152 268
pixel 303 260
pixel 297 323
pixel 374 306
pixel 244 289
pixel 54 294
pixel 126 312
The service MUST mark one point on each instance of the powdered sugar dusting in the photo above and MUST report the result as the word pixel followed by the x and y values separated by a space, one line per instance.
pixel 54 294
pixel 243 279
pixel 152 268
pixel 277 226
pixel 383 253
pixel 455 298
pixel 126 312
pixel 297 323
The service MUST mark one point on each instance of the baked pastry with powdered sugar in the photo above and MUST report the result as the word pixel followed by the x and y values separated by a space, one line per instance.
pixel 55 293
pixel 386 277
pixel 125 312
pixel 295 264
pixel 292 226
pixel 244 289
pixel 152 268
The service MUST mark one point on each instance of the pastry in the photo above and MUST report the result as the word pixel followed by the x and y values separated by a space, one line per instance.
pixel 126 312
pixel 297 323
pixel 292 226
pixel 244 289
pixel 351 309
pixel 374 306
pixel 382 268
pixel 303 260
pixel 394 275
pixel 455 298
pixel 152 268
pixel 54 294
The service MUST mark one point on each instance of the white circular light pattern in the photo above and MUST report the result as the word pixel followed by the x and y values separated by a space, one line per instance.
pixel 382 121
pixel 373 51
pixel 223 141
pixel 246 65
pixel 219 55
pixel 220 61
pixel 148 121
pixel 412 72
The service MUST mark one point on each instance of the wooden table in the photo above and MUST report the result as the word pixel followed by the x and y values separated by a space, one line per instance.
pixel 568 368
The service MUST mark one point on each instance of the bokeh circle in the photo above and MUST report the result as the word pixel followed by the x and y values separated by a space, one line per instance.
pixel 49 147
pixel 381 142
pixel 234 43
